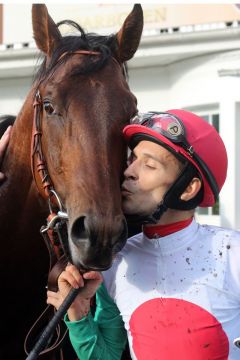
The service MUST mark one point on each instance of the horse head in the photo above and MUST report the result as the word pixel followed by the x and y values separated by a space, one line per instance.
pixel 84 102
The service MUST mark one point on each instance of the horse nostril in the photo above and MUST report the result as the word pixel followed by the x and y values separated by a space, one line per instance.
pixel 78 230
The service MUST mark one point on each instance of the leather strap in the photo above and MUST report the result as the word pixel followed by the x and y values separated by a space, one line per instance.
pixel 60 334
pixel 55 272
pixel 55 343
pixel 38 163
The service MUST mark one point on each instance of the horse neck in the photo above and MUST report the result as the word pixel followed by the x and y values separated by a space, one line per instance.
pixel 18 191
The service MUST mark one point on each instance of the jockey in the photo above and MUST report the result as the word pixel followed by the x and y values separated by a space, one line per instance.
pixel 174 290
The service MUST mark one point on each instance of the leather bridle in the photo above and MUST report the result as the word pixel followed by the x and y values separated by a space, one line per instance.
pixel 39 168
pixel 38 163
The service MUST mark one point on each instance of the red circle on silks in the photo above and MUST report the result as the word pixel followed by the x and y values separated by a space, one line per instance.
pixel 170 329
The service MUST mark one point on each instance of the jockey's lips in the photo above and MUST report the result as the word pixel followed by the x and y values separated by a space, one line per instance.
pixel 125 191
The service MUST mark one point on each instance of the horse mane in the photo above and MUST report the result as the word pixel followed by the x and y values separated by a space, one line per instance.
pixel 105 45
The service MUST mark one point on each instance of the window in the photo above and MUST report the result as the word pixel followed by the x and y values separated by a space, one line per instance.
pixel 213 119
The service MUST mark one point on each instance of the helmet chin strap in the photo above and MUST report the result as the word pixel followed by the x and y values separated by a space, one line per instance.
pixel 171 199
pixel 147 219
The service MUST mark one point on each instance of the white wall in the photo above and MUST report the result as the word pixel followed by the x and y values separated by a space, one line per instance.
pixel 150 86
pixel 12 94
pixel 188 83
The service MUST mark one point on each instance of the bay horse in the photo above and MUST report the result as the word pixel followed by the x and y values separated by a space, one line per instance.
pixel 83 102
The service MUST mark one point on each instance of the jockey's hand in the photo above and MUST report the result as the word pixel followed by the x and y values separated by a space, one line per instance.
pixel 71 278
pixel 3 145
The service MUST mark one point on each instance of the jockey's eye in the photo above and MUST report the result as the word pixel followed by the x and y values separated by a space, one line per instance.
pixel 48 107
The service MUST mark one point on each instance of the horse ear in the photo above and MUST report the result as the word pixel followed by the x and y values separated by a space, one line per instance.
pixel 45 31
pixel 128 37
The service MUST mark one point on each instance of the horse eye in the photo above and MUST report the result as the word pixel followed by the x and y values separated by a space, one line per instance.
pixel 48 107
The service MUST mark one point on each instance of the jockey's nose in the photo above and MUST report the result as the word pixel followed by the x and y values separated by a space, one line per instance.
pixel 131 172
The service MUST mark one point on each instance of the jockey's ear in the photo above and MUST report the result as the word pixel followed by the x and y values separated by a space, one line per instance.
pixel 192 189
pixel 128 37
pixel 45 31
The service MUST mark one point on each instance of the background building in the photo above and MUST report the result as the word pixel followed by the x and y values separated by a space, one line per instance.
pixel 189 58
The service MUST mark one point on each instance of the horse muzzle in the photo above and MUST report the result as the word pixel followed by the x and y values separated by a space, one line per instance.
pixel 93 241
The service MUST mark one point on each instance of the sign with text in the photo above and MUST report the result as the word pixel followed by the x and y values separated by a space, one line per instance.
pixel 108 18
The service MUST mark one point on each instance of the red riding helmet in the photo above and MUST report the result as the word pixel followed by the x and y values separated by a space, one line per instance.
pixel 189 136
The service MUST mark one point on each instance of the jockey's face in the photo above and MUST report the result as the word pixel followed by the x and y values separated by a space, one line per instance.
pixel 151 171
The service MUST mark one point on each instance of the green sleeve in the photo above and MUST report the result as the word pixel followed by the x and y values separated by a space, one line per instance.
pixel 101 337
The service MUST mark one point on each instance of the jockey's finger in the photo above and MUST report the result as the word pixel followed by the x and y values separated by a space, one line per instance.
pixel 54 302
pixel 74 271
pixel 93 275
pixel 67 278
pixel 4 140
pixel 54 298
pixel 53 294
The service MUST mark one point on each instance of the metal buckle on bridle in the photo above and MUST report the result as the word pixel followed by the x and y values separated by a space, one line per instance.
pixel 55 231
pixel 54 217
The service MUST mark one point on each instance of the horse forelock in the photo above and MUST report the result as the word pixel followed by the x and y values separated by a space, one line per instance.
pixel 105 45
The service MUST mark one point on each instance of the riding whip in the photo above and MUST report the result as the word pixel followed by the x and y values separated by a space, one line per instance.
pixel 43 339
